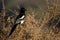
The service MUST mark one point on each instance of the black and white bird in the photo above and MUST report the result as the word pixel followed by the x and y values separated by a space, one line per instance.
pixel 19 19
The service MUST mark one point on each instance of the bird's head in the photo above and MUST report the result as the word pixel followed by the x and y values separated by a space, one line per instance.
pixel 22 9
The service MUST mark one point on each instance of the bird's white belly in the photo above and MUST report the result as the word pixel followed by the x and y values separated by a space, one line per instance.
pixel 22 21
pixel 19 21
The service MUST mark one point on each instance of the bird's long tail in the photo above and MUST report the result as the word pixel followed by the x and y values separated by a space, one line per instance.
pixel 13 28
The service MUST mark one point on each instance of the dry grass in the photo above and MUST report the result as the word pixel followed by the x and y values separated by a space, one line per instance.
pixel 35 29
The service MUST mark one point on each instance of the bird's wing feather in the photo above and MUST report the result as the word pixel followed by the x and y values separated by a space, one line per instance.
pixel 22 17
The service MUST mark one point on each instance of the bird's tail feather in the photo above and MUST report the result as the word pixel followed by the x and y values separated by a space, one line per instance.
pixel 13 28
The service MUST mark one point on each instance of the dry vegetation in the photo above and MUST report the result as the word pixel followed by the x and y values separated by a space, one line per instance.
pixel 45 28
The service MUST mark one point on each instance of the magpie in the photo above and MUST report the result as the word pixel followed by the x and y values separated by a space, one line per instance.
pixel 19 19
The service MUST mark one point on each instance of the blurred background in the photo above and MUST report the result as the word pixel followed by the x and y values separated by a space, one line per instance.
pixel 42 16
